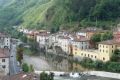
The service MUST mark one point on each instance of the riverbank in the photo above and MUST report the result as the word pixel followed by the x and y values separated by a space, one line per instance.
pixel 103 74
pixel 91 75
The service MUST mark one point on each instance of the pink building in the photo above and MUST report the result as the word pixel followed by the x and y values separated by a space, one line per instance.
pixel 116 36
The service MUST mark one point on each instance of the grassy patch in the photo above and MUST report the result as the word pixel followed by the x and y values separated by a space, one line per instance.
pixel 27 51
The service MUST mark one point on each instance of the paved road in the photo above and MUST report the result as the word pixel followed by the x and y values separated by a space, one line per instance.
pixel 14 69
pixel 38 63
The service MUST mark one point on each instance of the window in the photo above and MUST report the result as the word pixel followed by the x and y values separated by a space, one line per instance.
pixel 82 47
pixel 88 55
pixel 91 56
pixel 112 51
pixel 103 46
pixel 106 46
pixel 100 50
pixel 3 60
pixel 85 55
pixel 103 58
pixel 100 45
pixel 103 50
pixel 112 46
pixel 3 66
pixel 95 57
pixel 82 54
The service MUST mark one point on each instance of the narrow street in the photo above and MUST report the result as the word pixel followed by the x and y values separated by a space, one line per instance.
pixel 14 69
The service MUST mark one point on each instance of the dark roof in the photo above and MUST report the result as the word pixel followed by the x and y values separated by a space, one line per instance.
pixel 43 34
pixel 108 42
pixel 80 39
pixel 64 37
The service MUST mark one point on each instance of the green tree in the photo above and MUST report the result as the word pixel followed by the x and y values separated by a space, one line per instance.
pixel 25 67
pixel 99 65
pixel 106 36
pixel 19 54
pixel 23 38
pixel 51 76
pixel 96 37
pixel 52 30
pixel 87 63
pixel 31 69
pixel 116 56
pixel 43 76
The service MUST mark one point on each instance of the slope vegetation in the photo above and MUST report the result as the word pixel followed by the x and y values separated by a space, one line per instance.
pixel 63 13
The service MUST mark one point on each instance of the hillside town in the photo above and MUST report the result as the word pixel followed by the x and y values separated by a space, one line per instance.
pixel 77 45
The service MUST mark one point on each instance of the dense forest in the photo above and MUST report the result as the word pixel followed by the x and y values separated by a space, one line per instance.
pixel 63 13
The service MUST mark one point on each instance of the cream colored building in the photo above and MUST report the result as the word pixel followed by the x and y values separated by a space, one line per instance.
pixel 4 60
pixel 78 45
pixel 63 42
pixel 5 41
pixel 103 53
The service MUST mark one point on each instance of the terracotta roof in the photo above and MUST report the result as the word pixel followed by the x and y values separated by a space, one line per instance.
pixel 43 34
pixel 108 42
pixel 23 76
pixel 80 39
pixel 4 53
pixel 64 37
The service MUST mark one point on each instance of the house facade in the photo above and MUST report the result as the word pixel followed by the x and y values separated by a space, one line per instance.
pixel 63 42
pixel 4 60
pixel 104 52
pixel 5 41
pixel 42 38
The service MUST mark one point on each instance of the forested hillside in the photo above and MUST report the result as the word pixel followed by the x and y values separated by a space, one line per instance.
pixel 63 13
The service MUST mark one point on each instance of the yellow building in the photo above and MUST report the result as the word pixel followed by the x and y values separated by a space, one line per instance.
pixel 103 53
pixel 78 45
pixel 106 49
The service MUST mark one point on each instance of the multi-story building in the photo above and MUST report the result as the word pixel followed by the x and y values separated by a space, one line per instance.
pixel 42 38
pixel 5 41
pixel 79 44
pixel 63 42
pixel 103 53
pixel 88 32
pixel 4 60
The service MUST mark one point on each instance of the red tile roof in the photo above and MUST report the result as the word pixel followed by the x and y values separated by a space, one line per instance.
pixel 109 42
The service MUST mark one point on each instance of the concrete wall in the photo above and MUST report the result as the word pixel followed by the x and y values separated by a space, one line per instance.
pixel 104 74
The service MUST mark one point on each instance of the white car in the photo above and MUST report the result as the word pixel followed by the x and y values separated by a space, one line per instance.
pixel 74 75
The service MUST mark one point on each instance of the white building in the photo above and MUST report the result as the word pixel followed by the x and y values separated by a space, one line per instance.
pixel 42 38
pixel 63 42
pixel 4 60
pixel 82 43
pixel 5 41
